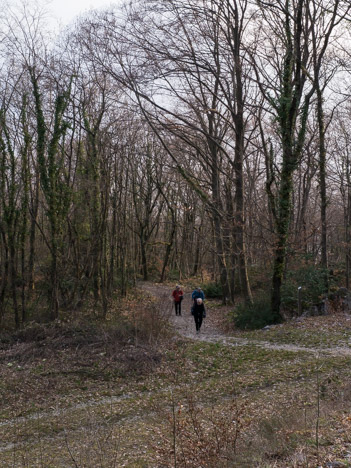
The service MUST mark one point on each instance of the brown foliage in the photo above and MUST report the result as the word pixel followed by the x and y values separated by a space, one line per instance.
pixel 201 436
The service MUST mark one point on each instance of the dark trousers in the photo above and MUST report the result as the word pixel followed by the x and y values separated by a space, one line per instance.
pixel 178 308
pixel 198 321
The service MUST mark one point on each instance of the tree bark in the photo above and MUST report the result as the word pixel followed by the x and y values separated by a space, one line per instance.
pixel 322 185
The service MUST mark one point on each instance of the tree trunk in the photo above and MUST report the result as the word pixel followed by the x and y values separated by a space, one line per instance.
pixel 4 273
pixel 322 185
pixel 168 250
pixel 217 210
pixel 111 275
pixel 283 221
pixel 348 225
pixel 238 117
pixel 32 233
pixel 143 257
pixel 53 289
pixel 13 282
pixel 220 257
pixel 24 205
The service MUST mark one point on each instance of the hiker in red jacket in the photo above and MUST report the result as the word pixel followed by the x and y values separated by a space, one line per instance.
pixel 177 295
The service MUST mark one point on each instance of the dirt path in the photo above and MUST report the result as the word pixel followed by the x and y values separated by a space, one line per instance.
pixel 210 333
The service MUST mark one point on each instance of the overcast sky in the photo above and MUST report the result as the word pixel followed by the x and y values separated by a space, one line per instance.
pixel 66 10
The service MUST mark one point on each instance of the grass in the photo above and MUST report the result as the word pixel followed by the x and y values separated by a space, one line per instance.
pixel 110 402
pixel 214 373
pixel 321 332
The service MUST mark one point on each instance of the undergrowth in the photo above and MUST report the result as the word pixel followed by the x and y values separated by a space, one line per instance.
pixel 250 316
pixel 200 436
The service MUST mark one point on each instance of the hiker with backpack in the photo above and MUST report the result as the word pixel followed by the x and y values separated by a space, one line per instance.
pixel 197 293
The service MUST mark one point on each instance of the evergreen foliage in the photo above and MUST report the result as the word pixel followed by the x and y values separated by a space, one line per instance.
pixel 251 316
pixel 311 279
pixel 212 290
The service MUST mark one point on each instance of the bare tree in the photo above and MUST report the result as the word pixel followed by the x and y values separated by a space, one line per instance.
pixel 284 77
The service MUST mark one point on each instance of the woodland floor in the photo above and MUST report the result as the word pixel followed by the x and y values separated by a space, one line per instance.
pixel 279 397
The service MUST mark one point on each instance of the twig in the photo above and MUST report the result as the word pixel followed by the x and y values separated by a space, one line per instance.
pixel 318 412
pixel 70 452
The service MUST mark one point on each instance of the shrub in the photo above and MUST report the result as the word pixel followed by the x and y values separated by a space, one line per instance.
pixel 174 275
pixel 212 290
pixel 312 282
pixel 249 316
pixel 200 438
pixel 149 324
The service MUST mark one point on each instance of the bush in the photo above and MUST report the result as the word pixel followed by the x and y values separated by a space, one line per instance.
pixel 197 437
pixel 174 275
pixel 249 316
pixel 212 290
pixel 312 282
pixel 149 324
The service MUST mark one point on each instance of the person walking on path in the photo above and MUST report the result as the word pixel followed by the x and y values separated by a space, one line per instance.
pixel 177 295
pixel 197 294
pixel 199 313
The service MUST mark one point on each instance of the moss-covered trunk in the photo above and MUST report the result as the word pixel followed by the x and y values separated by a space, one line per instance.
pixel 282 224
pixel 55 190
pixel 23 234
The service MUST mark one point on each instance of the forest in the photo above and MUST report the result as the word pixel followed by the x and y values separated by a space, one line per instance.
pixel 169 139
pixel 155 143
